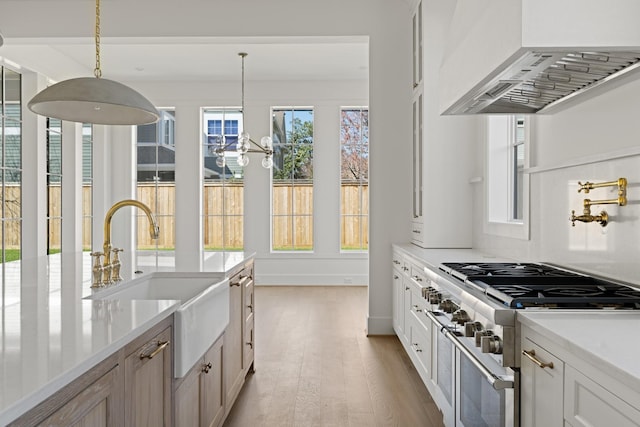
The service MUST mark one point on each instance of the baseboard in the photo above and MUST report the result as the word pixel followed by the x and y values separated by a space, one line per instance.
pixel 380 326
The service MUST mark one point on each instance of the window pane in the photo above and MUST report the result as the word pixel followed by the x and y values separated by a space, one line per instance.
pixel 292 173
pixel 354 175
pixel 156 154
pixel 223 204
pixel 11 195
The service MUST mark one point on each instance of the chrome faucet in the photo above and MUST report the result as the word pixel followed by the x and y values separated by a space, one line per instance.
pixel 111 270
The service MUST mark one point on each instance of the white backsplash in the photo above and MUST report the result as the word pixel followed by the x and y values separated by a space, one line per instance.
pixel 595 134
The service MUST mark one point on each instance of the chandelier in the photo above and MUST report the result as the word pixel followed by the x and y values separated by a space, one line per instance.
pixel 245 144
pixel 94 100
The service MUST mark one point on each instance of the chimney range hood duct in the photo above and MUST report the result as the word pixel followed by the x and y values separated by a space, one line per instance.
pixel 531 56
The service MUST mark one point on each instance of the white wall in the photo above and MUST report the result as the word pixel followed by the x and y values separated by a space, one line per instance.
pixel 385 22
pixel 597 140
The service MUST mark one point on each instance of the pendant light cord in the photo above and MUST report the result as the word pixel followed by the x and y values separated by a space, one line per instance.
pixel 242 54
pixel 97 71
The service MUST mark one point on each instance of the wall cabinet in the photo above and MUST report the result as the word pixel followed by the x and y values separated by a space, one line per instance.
pixel 557 388
pixel 238 350
pixel 199 396
pixel 442 196
pixel 148 375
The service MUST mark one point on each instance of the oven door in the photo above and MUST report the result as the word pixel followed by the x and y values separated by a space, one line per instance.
pixel 485 397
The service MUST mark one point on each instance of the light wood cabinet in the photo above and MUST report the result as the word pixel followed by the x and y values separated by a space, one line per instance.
pixel 199 396
pixel 238 352
pixel 148 376
pixel 94 399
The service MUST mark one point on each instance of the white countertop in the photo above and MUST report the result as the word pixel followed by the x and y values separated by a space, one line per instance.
pixel 434 257
pixel 603 338
pixel 51 335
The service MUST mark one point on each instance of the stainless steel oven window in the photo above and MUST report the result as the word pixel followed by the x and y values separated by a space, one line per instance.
pixel 480 405
pixel 445 367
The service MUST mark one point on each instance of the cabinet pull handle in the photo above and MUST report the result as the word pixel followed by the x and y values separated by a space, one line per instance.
pixel 250 307
pixel 531 355
pixel 250 344
pixel 206 368
pixel 161 346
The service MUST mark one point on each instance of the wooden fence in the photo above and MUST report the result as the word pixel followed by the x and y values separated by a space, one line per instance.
pixel 222 204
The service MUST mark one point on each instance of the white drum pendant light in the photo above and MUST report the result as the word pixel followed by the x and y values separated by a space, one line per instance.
pixel 94 99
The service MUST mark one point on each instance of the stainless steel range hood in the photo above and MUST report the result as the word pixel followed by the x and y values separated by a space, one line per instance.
pixel 532 56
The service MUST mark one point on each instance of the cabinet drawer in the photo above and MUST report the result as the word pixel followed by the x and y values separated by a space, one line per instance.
pixel 420 341
pixel 589 404
pixel 417 274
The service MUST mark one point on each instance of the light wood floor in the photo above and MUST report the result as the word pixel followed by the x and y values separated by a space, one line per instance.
pixel 316 367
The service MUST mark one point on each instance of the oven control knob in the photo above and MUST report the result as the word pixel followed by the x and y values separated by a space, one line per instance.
pixel 460 316
pixel 470 329
pixel 479 334
pixel 492 344
pixel 448 306
pixel 435 297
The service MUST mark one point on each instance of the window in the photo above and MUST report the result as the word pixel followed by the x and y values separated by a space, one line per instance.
pixel 223 192
pixel 10 165
pixel 292 180
pixel 507 184
pixel 87 185
pixel 354 179
pixel 54 185
pixel 156 164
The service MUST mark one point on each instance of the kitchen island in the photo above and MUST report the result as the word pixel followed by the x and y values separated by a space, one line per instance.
pixel 51 335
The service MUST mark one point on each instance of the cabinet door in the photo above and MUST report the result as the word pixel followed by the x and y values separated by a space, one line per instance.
pixel 211 386
pixel 94 406
pixel 187 398
pixel 248 316
pixel 587 404
pixel 398 305
pixel 541 387
pixel 148 382
pixel 234 374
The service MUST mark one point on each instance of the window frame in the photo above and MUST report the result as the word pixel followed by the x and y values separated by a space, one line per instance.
pixel 363 217
pixel 311 215
pixel 499 198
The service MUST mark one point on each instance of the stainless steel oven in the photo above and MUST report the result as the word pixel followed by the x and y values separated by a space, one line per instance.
pixel 472 391
pixel 476 347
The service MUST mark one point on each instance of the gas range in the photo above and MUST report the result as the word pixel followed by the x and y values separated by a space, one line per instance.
pixel 529 285
pixel 477 302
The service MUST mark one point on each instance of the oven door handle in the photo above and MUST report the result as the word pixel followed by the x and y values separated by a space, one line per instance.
pixel 498 383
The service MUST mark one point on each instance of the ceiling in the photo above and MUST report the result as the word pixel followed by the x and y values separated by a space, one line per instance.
pixel 193 58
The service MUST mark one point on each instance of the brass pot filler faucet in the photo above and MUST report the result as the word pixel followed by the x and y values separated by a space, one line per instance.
pixel 108 272
pixel 603 218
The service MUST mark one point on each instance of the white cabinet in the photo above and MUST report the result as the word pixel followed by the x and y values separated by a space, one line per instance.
pixel 588 404
pixel 442 195
pixel 410 322
pixel 398 295
pixel 541 386
pixel 560 388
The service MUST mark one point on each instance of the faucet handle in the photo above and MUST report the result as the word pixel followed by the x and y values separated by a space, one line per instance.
pixel 585 187
pixel 98 269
